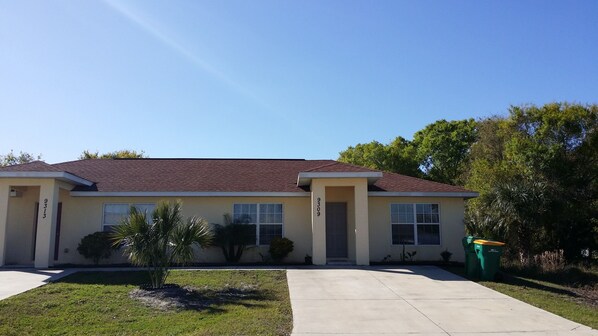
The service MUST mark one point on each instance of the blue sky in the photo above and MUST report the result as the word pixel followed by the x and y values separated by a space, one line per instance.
pixel 277 79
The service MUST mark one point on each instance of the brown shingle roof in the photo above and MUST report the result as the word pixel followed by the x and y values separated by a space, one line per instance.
pixel 217 175
pixel 403 183
pixel 33 166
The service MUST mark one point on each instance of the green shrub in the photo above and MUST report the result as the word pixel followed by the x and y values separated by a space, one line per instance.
pixel 446 255
pixel 280 248
pixel 96 246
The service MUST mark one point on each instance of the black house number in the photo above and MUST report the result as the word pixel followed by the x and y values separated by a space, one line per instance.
pixel 45 207
pixel 318 207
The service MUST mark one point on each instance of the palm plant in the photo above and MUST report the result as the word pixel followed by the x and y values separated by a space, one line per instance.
pixel 233 237
pixel 157 242
pixel 517 210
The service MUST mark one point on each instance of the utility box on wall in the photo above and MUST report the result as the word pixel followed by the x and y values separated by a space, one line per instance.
pixel 15 192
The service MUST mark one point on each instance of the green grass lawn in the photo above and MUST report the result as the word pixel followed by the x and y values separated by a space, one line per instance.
pixel 98 303
pixel 576 304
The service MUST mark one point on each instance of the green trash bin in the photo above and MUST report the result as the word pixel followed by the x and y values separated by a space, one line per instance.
pixel 471 259
pixel 488 252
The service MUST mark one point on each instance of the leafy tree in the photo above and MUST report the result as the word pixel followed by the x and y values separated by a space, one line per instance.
pixel 162 239
pixel 558 144
pixel 233 237
pixel 372 155
pixel 402 157
pixel 120 154
pixel 443 149
pixel 536 173
pixel 439 152
pixel 13 159
pixel 398 156
pixel 488 168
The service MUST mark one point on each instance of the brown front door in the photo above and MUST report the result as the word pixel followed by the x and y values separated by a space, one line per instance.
pixel 57 237
pixel 336 230
pixel 35 213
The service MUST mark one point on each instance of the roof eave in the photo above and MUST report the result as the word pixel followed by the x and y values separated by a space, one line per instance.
pixel 304 178
pixel 455 194
pixel 61 176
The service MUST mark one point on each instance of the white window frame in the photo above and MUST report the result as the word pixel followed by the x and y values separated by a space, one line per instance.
pixel 415 223
pixel 257 219
pixel 129 205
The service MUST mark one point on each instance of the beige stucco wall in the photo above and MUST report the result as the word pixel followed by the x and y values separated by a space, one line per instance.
pixel 15 227
pixel 452 229
pixel 83 215
pixel 20 225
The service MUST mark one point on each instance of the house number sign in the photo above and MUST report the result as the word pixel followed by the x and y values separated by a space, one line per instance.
pixel 318 206
pixel 45 207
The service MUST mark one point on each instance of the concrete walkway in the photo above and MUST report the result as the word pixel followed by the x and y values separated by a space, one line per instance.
pixel 418 300
pixel 18 280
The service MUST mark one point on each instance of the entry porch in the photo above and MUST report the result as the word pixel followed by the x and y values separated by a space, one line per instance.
pixel 30 215
pixel 340 227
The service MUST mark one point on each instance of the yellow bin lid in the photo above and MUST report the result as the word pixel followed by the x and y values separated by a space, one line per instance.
pixel 488 242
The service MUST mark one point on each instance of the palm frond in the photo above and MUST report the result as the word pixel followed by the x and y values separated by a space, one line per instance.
pixel 165 239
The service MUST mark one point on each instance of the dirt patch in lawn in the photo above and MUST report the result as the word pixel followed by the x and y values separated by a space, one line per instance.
pixel 586 295
pixel 174 297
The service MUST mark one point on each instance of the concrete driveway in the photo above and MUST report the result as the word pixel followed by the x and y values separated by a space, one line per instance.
pixel 19 280
pixel 418 300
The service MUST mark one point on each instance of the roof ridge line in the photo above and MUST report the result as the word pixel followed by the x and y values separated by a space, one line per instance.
pixel 206 159
pixel 322 166
pixel 358 166
pixel 71 161
pixel 28 163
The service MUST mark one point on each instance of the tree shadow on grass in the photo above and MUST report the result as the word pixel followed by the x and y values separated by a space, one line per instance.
pixel 521 282
pixel 119 278
pixel 571 276
pixel 211 300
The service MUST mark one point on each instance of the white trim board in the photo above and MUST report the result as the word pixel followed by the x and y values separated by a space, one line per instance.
pixel 187 194
pixel 257 194
pixel 304 178
pixel 63 176
pixel 422 194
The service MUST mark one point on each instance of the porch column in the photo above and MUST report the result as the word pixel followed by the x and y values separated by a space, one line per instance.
pixel 362 236
pixel 318 222
pixel 46 224
pixel 4 194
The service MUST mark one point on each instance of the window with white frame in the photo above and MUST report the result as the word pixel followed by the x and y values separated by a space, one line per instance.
pixel 266 217
pixel 114 213
pixel 415 224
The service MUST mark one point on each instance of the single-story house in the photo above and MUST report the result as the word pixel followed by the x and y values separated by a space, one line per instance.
pixel 332 211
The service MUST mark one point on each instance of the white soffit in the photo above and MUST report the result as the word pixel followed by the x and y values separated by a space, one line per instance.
pixel 304 178
pixel 61 176
pixel 186 194
pixel 422 194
